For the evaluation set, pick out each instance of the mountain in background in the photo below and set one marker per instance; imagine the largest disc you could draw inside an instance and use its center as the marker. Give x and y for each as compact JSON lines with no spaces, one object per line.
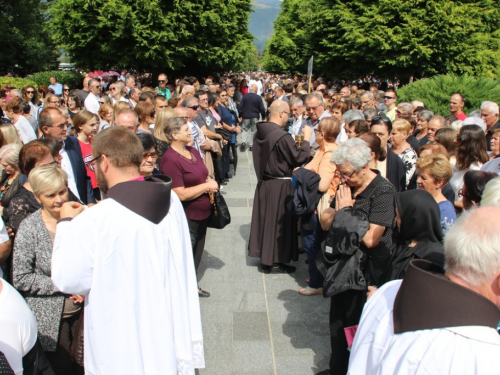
{"x":262,"y":20}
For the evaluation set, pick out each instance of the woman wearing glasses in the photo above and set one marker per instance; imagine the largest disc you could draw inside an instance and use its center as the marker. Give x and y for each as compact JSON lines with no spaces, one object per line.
{"x":364,"y":192}
{"x":31,"y":96}
{"x":86,"y":125}
{"x":65,"y":94}
{"x":149,"y":156}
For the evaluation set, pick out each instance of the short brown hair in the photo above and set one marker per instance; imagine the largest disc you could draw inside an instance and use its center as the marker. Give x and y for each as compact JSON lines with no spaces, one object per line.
{"x":120,"y":145}
{"x":173,"y":125}
{"x":330,"y":126}
{"x":438,"y":167}
{"x":31,"y":154}
{"x":143,"y":109}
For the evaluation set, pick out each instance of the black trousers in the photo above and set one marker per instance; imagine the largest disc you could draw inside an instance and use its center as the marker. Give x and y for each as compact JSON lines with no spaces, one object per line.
{"x":197,"y":232}
{"x":60,"y":360}
{"x":345,"y":311}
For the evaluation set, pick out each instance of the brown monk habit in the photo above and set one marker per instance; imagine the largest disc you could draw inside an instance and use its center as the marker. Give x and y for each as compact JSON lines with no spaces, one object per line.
{"x":273,"y":233}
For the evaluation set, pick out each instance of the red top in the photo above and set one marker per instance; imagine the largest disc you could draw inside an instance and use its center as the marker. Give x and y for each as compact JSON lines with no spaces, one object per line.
{"x":244,"y":90}
{"x":461,"y":116}
{"x":188,"y":173}
{"x":87,"y":156}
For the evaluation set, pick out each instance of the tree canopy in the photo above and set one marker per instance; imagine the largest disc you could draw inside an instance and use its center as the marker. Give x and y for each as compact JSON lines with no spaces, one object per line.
{"x":401,"y":38}
{"x":25,"y":44}
{"x":201,"y":36}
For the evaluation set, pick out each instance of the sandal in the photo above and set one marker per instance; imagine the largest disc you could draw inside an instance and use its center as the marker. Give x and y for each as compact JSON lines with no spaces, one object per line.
{"x":308,"y":291}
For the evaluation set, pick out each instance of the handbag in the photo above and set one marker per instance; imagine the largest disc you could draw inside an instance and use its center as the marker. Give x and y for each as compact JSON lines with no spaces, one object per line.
{"x":220,"y":216}
{"x":76,"y":347}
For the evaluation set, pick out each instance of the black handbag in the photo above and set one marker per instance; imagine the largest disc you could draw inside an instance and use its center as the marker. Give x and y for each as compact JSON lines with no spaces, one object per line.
{"x":226,"y":134}
{"x":220,"y":216}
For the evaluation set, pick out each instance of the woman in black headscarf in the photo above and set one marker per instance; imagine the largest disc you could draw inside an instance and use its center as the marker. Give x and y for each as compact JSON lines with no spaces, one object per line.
{"x":419,"y":222}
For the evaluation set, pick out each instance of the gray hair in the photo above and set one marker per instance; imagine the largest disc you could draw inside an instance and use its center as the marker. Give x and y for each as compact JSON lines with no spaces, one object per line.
{"x":490,"y":106}
{"x":475,"y":113}
{"x":173,"y":125}
{"x":406,"y":108}
{"x":10,"y":154}
{"x":366,"y":93}
{"x":471,"y":251}
{"x":315,"y":95}
{"x":187,"y":102}
{"x":426,"y":115}
{"x":186,"y":89}
{"x":17,"y":93}
{"x":296,"y":101}
{"x":352,"y":114}
{"x":491,"y":193}
{"x":369,"y":114}
{"x":354,"y":152}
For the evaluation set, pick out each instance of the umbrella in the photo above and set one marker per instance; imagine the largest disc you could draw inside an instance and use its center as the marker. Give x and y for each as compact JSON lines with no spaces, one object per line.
{"x":96,"y":73}
{"x":113,"y":73}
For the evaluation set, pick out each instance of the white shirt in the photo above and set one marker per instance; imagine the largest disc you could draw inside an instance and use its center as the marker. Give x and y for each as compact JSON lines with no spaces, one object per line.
{"x":18,"y":328}
{"x":92,"y":103}
{"x":342,"y":137}
{"x":376,"y":350}
{"x":457,"y":180}
{"x":315,"y":125}
{"x":142,"y":313}
{"x":295,"y":128}
{"x":25,"y":129}
{"x":68,"y":168}
{"x":258,"y":83}
{"x":198,"y":136}
{"x":492,"y":166}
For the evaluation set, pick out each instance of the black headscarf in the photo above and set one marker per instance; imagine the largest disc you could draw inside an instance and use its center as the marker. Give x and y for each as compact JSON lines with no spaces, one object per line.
{"x":420,"y":222}
{"x":420,"y":217}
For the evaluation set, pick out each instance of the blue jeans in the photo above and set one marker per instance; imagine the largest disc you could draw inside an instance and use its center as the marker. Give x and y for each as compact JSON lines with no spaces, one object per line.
{"x":311,"y":242}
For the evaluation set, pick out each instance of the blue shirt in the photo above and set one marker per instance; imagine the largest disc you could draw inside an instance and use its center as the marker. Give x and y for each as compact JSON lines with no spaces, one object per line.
{"x":448,"y":215}
{"x":227,"y":118}
{"x":57,"y":89}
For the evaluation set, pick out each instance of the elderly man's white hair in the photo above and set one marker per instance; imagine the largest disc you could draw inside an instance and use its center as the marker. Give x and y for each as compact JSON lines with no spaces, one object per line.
{"x":315,"y":95}
{"x":491,"y":193}
{"x":471,"y":245}
{"x":354,"y":152}
{"x":187,"y":89}
{"x":296,"y":101}
{"x":475,"y":121}
{"x":490,"y":106}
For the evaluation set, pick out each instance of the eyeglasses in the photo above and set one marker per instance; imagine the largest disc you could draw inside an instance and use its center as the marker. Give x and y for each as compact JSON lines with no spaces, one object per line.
{"x":161,"y":81}
{"x":152,"y":114}
{"x":30,"y":92}
{"x":389,"y":97}
{"x":146,"y":155}
{"x":112,"y":88}
{"x":65,"y":89}
{"x":345,"y":176}
{"x":103,"y":102}
{"x":61,"y":127}
{"x":312,"y":108}
{"x":194,"y":107}
{"x":460,"y":193}
{"x":318,"y":131}
{"x":97,"y":86}
{"x":223,"y":96}
{"x":91,"y":163}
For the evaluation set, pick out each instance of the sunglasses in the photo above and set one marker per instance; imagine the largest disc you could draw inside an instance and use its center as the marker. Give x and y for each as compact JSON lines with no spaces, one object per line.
{"x":161,"y":81}
{"x":146,"y":155}
{"x":66,"y":90}
{"x":30,"y":92}
{"x":152,"y":114}
{"x":194,"y":107}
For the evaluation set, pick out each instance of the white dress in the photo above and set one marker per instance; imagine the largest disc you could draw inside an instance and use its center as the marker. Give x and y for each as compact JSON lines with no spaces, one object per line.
{"x":142,"y":313}
{"x":457,"y":180}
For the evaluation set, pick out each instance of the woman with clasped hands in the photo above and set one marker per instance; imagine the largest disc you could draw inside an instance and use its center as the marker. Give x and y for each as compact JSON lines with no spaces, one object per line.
{"x":371,"y":195}
{"x":56,"y":313}
{"x":191,"y":183}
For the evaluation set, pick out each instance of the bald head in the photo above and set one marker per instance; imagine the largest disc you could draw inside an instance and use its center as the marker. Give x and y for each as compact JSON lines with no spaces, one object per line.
{"x":253,"y":88}
{"x":279,"y":112}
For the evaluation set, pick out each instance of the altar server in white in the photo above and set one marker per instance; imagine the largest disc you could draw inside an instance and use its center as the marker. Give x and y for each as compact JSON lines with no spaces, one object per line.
{"x":438,"y":323}
{"x":131,"y":257}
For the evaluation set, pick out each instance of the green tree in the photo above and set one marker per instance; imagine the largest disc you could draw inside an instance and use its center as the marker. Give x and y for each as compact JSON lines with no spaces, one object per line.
{"x":202,"y":36}
{"x":402,"y":37}
{"x":435,"y":92}
{"x":25,"y":44}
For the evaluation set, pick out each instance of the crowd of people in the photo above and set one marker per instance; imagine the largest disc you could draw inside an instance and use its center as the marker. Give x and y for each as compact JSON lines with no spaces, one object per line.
{"x":370,"y":189}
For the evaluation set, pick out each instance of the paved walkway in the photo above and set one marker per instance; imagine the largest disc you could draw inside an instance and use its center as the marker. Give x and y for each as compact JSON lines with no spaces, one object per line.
{"x":255,"y":323}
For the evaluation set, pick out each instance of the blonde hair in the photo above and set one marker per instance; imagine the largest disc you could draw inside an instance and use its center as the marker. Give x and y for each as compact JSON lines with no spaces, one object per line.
{"x":10,"y":154}
{"x":438,"y":167}
{"x":401,"y":125}
{"x":161,"y":124}
{"x":47,"y":179}
{"x":10,"y":135}
{"x":118,"y":107}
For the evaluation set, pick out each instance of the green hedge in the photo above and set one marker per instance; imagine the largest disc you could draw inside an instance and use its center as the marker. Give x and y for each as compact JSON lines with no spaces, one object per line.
{"x":18,"y":83}
{"x":436,"y":92}
{"x":73,"y":79}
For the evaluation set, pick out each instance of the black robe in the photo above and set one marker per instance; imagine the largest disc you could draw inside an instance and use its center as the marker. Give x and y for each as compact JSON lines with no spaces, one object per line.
{"x":273,"y":233}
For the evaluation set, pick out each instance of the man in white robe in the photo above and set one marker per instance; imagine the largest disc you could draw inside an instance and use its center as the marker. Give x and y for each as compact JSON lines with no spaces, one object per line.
{"x":438,"y":323}
{"x":131,"y":257}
